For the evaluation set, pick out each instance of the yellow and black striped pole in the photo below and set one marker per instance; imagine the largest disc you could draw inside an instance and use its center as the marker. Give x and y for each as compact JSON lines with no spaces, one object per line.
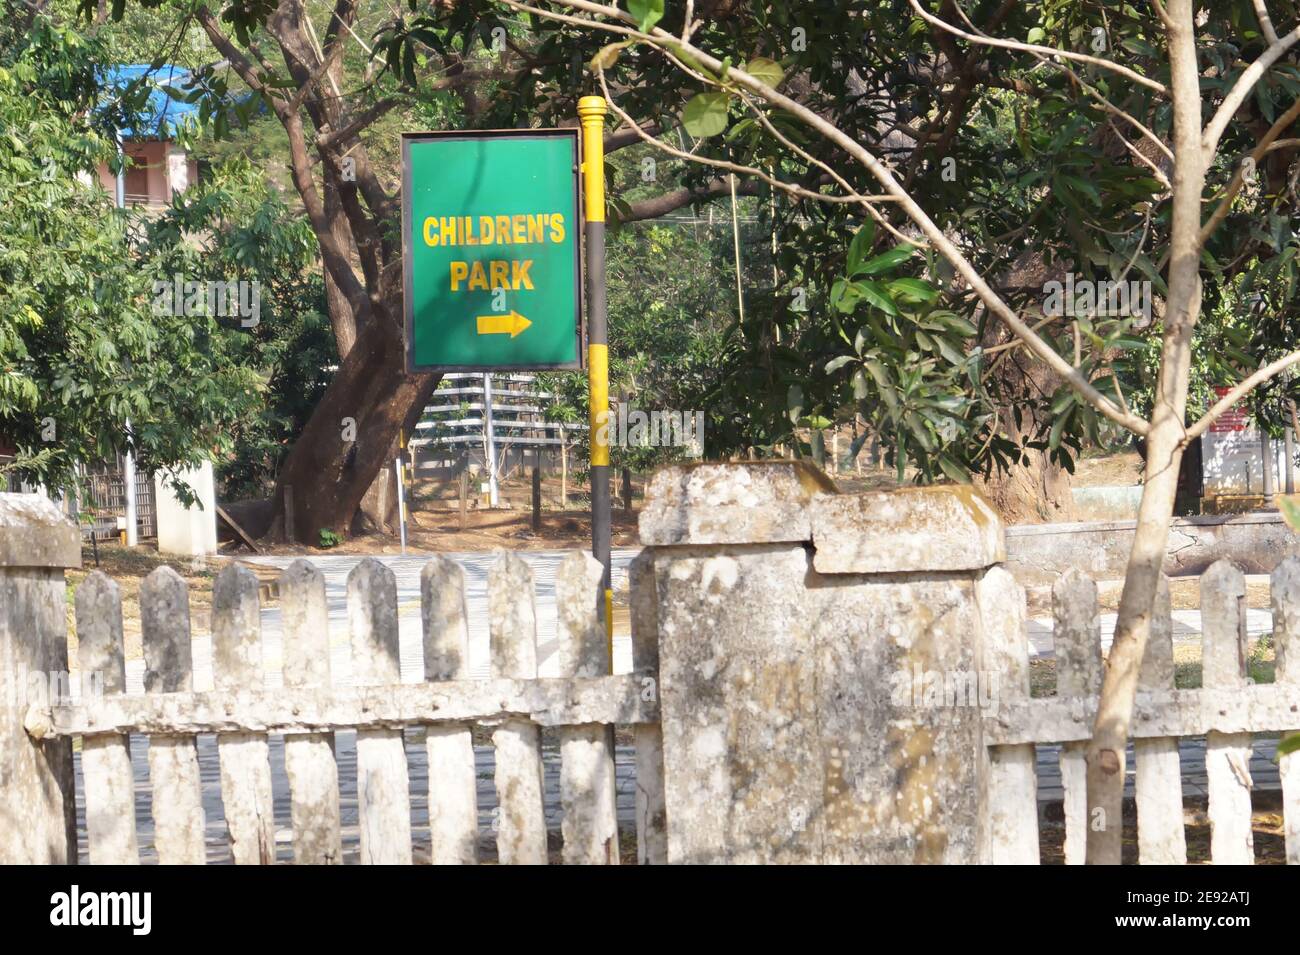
{"x":591,"y":110}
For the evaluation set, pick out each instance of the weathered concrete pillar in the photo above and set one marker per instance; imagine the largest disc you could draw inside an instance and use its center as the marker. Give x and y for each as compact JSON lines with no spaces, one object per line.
{"x":37,"y":807}
{"x":820,"y":665}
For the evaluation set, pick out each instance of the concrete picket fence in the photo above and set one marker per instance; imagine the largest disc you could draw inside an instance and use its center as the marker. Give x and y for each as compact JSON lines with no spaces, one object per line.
{"x":36,"y":823}
{"x":774,"y":621}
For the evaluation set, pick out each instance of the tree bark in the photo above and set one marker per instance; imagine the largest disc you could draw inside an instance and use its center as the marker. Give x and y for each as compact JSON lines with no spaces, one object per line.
{"x":331,"y":476}
{"x":378,"y":512}
{"x":1106,"y":750}
{"x":1035,"y":490}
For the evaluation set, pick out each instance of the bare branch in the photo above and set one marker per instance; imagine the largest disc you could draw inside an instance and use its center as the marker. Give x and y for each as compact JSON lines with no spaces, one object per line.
{"x":1137,"y":154}
{"x":367,"y":116}
{"x":1239,"y":391}
{"x":791,"y":188}
{"x":1241,"y":89}
{"x":1044,"y":51}
{"x":1265,"y":22}
{"x":241,"y":64}
{"x":667,"y":202}
{"x":1238,"y":177}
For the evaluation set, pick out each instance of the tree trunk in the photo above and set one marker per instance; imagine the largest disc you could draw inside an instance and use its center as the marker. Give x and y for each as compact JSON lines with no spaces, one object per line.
{"x":378,"y":512}
{"x":330,"y":476}
{"x":1035,"y":490}
{"x":1106,"y":751}
{"x":1105,"y":754}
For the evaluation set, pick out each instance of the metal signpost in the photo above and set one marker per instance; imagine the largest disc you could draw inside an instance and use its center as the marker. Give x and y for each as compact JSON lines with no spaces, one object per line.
{"x":591,"y":110}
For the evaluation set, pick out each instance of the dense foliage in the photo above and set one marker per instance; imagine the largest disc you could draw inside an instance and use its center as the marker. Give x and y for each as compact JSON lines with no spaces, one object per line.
{"x":81,"y":351}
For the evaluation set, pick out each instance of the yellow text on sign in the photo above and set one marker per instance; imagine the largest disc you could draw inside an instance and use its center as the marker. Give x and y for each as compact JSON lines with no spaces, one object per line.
{"x":495,"y":274}
{"x":494,"y":230}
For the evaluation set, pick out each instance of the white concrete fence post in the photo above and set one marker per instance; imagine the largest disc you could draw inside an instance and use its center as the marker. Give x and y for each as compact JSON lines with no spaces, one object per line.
{"x":822,"y":670}
{"x":37,"y":814}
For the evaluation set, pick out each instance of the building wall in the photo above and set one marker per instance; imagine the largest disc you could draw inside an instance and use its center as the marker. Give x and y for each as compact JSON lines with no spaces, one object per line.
{"x":159,"y":169}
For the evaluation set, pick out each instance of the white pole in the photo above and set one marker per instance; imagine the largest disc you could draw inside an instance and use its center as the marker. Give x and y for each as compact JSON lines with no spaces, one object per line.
{"x":735,"y":238}
{"x":128,"y":460}
{"x":401,"y":501}
{"x":491,"y":441}
{"x":1288,"y":461}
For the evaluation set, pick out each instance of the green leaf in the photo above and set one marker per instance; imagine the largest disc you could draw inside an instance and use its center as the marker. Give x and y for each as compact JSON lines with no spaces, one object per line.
{"x":861,"y":245}
{"x":706,"y":114}
{"x":917,"y":426}
{"x":1289,"y":744}
{"x":953,"y":469}
{"x":1036,"y":35}
{"x":1058,"y":426}
{"x":875,"y":293}
{"x":913,"y":289}
{"x":1064,"y":398}
{"x":845,"y":295}
{"x":835,"y":364}
{"x":646,"y":12}
{"x":765,"y":71}
{"x":794,"y":403}
{"x":950,"y":353}
{"x":886,"y":260}
{"x":877,"y":372}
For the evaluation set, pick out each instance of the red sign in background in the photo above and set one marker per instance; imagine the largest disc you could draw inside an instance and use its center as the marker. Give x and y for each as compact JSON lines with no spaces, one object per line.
{"x":1234,"y":419}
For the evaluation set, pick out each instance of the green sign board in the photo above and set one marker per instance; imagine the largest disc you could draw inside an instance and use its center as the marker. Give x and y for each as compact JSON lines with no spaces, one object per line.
{"x":491,"y":241}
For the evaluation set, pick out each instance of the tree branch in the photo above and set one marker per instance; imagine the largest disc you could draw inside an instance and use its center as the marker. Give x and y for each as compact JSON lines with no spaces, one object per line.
{"x":1239,"y":391}
{"x":1241,"y":89}
{"x":666,"y":41}
{"x":1043,"y":51}
{"x":661,"y":205}
{"x":1238,"y":177}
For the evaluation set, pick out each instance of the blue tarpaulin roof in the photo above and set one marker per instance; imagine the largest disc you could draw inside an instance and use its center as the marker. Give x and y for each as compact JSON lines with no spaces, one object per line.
{"x":162,"y":114}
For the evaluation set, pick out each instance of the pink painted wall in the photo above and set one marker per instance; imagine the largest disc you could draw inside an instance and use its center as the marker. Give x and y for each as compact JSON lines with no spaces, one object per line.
{"x":158,"y":169}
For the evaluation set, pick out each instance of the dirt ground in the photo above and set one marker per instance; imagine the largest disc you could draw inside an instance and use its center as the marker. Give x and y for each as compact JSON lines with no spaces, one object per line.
{"x":434,"y":522}
{"x":1108,"y":469}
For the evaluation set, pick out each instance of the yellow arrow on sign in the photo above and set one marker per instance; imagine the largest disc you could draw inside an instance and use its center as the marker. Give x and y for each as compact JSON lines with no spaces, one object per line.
{"x":512,"y":323}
